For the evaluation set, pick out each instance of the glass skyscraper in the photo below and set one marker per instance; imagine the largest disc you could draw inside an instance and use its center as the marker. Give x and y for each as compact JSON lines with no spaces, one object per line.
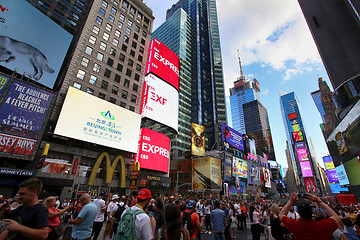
{"x":191,"y":31}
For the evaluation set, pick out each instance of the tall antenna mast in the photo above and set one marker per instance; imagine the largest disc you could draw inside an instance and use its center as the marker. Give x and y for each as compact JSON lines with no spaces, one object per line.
{"x":241,"y":70}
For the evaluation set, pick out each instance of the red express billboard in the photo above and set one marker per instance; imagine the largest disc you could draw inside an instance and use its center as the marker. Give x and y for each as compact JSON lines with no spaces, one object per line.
{"x":164,"y":63}
{"x":153,"y":151}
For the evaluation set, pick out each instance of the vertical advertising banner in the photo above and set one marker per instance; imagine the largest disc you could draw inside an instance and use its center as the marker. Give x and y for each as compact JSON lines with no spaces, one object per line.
{"x":302,"y":154}
{"x":232,"y":138}
{"x":228,"y":168}
{"x":253,"y":174}
{"x":197,"y":140}
{"x":252,"y":153}
{"x":267,"y":179}
{"x":240,"y":167}
{"x":22,"y":115}
{"x":306,"y":169}
{"x":206,"y":174}
{"x":310,"y":185}
{"x":330,"y":170}
{"x":342,"y":176}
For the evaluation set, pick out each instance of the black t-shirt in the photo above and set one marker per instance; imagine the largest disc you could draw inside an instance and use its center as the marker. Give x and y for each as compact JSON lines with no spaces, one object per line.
{"x":36,"y":217}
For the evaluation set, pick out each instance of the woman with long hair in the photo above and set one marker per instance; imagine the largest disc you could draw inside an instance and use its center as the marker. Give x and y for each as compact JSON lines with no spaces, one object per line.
{"x":54,"y":213}
{"x":254,"y":216}
{"x":173,"y":229}
{"x":233,"y":221}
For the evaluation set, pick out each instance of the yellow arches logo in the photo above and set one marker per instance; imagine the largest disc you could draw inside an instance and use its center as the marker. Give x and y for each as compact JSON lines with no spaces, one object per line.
{"x":110,"y":169}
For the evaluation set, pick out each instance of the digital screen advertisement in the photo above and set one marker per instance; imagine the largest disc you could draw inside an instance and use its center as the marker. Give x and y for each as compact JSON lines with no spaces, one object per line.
{"x":332,"y":175}
{"x":33,"y":44}
{"x":254,"y":174}
{"x":298,"y":136}
{"x":352,"y":168}
{"x":302,"y":154}
{"x":328,"y":162}
{"x":197,"y":139}
{"x":273,"y":164}
{"x":232,"y":138}
{"x":240,"y":167}
{"x":267,"y":177}
{"x":153,"y":151}
{"x":296,"y":128}
{"x":94,"y":120}
{"x":310,"y":185}
{"x":4,"y":80}
{"x":206,"y":173}
{"x":300,"y":145}
{"x":252,"y":153}
{"x":292,"y":116}
{"x":164,"y":63}
{"x":342,"y":176}
{"x":160,"y":102}
{"x":306,"y":169}
{"x":227,"y":168}
{"x":336,"y":188}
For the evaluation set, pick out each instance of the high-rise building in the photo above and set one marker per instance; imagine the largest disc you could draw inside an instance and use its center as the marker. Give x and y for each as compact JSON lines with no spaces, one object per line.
{"x":191,"y":31}
{"x":300,"y":152}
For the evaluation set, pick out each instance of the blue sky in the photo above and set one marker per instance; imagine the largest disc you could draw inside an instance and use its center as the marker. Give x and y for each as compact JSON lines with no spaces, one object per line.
{"x":276,"y":48}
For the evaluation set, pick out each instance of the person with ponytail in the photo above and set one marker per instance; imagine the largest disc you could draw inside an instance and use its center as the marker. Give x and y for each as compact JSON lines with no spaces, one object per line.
{"x":254,"y":215}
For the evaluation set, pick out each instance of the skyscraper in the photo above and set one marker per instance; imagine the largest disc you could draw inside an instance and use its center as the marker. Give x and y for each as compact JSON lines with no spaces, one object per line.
{"x":191,"y":31}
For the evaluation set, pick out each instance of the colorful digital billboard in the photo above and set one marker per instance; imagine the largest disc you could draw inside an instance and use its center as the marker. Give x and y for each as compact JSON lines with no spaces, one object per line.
{"x":300,"y":145}
{"x":232,"y":138}
{"x":91,"y":119}
{"x":4,"y":80}
{"x":298,"y":136}
{"x":273,"y":164}
{"x":254,"y":174}
{"x":228,"y":168}
{"x":240,"y":167}
{"x":252,"y":153}
{"x":153,"y":151}
{"x":267,"y":180}
{"x":31,"y":43}
{"x":296,"y":127}
{"x":160,"y":102}
{"x":206,"y":174}
{"x":336,"y":188}
{"x":164,"y":63}
{"x":332,"y":175}
{"x":352,"y":168}
{"x":342,"y":176}
{"x":197,"y":139}
{"x":328,"y":162}
{"x":302,"y":154}
{"x":292,"y":116}
{"x":23,"y":112}
{"x":310,"y":184}
{"x":306,"y":169}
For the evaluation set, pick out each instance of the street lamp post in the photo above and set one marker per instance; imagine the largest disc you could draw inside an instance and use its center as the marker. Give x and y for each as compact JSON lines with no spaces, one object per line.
{"x":177,"y":182}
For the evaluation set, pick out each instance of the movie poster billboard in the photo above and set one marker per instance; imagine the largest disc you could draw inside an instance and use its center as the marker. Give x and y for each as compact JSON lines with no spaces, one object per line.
{"x":240,"y":167}
{"x":302,"y":154}
{"x":267,"y":179}
{"x":23,"y":112}
{"x":310,"y":185}
{"x":228,"y":168}
{"x":33,"y":44}
{"x":206,"y":174}
{"x":232,"y":138}
{"x":197,"y":139}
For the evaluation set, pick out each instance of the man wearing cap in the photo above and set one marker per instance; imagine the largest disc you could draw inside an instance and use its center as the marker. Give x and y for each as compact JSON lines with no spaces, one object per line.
{"x":195,"y":219}
{"x":306,"y":227}
{"x":99,"y":219}
{"x":110,"y":220}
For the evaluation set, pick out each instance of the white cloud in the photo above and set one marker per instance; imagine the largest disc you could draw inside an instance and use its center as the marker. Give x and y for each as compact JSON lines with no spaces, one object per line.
{"x":265,"y":91}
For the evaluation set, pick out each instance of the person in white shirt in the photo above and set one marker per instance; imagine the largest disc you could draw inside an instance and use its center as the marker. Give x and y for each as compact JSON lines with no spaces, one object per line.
{"x":238,"y":214}
{"x":99,"y":219}
{"x":110,"y":220}
{"x":292,"y":214}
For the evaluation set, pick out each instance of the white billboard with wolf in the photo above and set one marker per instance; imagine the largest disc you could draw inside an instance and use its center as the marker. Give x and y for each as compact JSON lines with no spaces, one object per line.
{"x":30,"y":42}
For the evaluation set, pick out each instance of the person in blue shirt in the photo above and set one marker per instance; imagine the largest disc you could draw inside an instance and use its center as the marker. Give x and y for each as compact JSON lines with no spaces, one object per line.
{"x":218,"y":217}
{"x":83,"y":224}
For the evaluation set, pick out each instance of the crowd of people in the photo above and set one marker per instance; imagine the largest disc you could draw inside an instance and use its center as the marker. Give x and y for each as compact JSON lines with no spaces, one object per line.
{"x":140,"y":216}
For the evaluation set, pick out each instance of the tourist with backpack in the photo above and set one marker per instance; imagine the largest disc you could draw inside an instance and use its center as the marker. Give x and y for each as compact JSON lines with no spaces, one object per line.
{"x":191,"y":221}
{"x":134,"y":222}
{"x":118,"y":211}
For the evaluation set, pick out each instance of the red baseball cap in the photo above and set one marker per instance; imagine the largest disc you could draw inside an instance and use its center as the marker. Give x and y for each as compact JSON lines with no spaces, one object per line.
{"x":144,"y":194}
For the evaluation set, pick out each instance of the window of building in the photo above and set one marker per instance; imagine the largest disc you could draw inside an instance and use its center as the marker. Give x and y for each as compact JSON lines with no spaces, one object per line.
{"x":138,"y":67}
{"x":119,"y":24}
{"x":122,"y":57}
{"x":139,"y":15}
{"x":122,"y":104}
{"x":141,"y":49}
{"x":130,"y":23}
{"x":100,"y":56}
{"x":130,"y":62}
{"x":137,"y":77}
{"x":102,"y":96}
{"x":144,"y":34}
{"x":90,"y":91}
{"x":115,"y":42}
{"x":126,"y":39}
{"x":102,"y":12}
{"x":99,"y":20}
{"x":133,"y":44}
{"x":103,"y":46}
{"x":112,"y":100}
{"x":136,"y":36}
{"x":126,"y":83}
{"x":92,"y":39}
{"x":126,"y":4}
{"x":77,"y":85}
{"x":133,"y":98}
{"x":137,"y":28}
{"x":124,"y":9}
{"x":143,"y":41}
{"x":124,"y":47}
{"x":113,"y":10}
{"x":128,"y":31}
{"x":128,"y":72}
{"x":116,"y":3}
{"x":93,"y":79}
{"x":107,"y":73}
{"x":135,"y":87}
{"x":105,"y":4}
{"x":131,"y":15}
{"x":106,"y":36}
{"x":108,"y":27}
{"x":96,"y":67}
{"x":132,"y":53}
{"x":112,"y":52}
{"x":124,"y":94}
{"x":80,"y":74}
{"x":131,"y":108}
{"x":119,"y":67}
{"x":96,"y":30}
{"x":140,"y":58}
{"x":117,"y":78}
{"x":110,"y":62}
{"x":88,"y":50}
{"x":104,"y":84}
{"x":115,"y":89}
{"x":85,"y":62}
{"x":122,"y":17}
{"x":132,"y":9}
{"x":117,"y":33}
{"x":111,"y":18}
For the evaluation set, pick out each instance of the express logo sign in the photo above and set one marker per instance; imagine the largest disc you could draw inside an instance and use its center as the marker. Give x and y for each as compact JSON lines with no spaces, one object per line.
{"x":164,"y":63}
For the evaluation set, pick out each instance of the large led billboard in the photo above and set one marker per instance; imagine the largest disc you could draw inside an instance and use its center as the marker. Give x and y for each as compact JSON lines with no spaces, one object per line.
{"x":31,"y":43}
{"x":302,"y":154}
{"x":228,"y":168}
{"x":273,"y":164}
{"x":94,"y":120}
{"x":298,"y":136}
{"x":197,"y":139}
{"x":336,"y":188}
{"x":153,"y":151}
{"x":306,"y":169}
{"x":292,"y":116}
{"x":164,"y":63}
{"x":206,"y":173}
{"x":267,"y":177}
{"x":232,"y":138}
{"x":332,"y":175}
{"x":328,"y":162}
{"x":240,"y":167}
{"x":254,"y":174}
{"x":342,"y":176}
{"x":160,"y":102}
{"x":252,"y":153}
{"x":352,"y":168}
{"x":300,"y":145}
{"x":310,"y":184}
{"x":4,"y":80}
{"x":23,"y":112}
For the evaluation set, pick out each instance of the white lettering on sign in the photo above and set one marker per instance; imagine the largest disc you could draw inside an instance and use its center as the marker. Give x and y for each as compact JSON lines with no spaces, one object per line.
{"x":166,"y":62}
{"x":147,"y":147}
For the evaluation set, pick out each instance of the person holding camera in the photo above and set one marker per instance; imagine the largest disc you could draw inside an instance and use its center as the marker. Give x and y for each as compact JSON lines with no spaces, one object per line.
{"x":306,"y":227}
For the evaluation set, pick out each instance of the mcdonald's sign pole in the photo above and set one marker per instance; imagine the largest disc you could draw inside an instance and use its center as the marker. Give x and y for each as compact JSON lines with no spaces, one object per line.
{"x":135,"y":169}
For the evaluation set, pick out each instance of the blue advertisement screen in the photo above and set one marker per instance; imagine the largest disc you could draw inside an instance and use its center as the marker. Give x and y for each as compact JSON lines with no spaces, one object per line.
{"x":232,"y":138}
{"x":342,"y":176}
{"x":336,"y":188}
{"x":227,"y":168}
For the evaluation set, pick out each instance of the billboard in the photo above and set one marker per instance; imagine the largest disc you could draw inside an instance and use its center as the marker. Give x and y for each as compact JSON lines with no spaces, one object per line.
{"x":300,"y":145}
{"x":23,"y":112}
{"x":332,"y":175}
{"x":232,"y":138}
{"x":352,"y":168}
{"x":267,"y":180}
{"x":252,"y":153}
{"x":273,"y":164}
{"x":302,"y":154}
{"x":298,"y":136}
{"x":160,"y":102}
{"x":33,"y":44}
{"x":292,"y":116}
{"x":206,"y":174}
{"x":240,"y":167}
{"x":336,"y":188}
{"x":4,"y":80}
{"x":328,"y":162}
{"x":254,"y":174}
{"x":296,"y":127}
{"x":228,"y":168}
{"x":310,"y":184}
{"x":94,"y":120}
{"x":197,"y":139}
{"x":164,"y":63}
{"x":306,"y":169}
{"x":342,"y":176}
{"x":153,"y":151}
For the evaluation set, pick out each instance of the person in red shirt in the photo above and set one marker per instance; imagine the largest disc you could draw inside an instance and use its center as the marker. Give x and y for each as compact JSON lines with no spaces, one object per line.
{"x":195,"y":220}
{"x":306,"y":228}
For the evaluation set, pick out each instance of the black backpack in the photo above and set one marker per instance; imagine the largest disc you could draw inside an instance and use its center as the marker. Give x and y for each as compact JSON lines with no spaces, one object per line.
{"x":186,"y":218}
{"x":119,"y":212}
